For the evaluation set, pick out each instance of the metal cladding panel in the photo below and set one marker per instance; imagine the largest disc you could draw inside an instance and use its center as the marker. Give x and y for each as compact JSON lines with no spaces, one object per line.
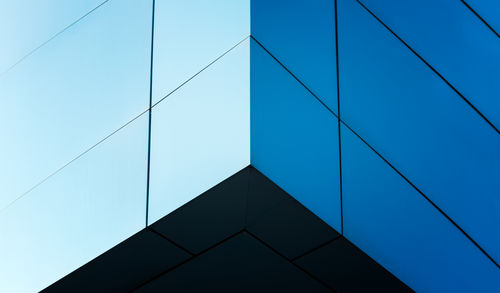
{"x":407,"y":113}
{"x":389,"y":220}
{"x":294,"y":138}
{"x":301,"y":34}
{"x":454,"y":41}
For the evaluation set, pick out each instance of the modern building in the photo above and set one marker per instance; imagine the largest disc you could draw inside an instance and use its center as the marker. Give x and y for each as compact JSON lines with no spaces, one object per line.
{"x":250,"y":146}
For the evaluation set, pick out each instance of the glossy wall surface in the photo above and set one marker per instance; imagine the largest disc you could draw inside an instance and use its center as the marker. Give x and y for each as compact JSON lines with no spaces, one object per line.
{"x":116,"y":113}
{"x":417,"y":158}
{"x":103,"y":127}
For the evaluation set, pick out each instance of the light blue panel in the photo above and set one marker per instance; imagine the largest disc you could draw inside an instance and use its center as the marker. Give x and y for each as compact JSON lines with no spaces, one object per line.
{"x":88,"y":207}
{"x":201,"y":133}
{"x":410,"y":116}
{"x":301,"y":34}
{"x":190,"y":34}
{"x":26,"y":24}
{"x":454,"y":41}
{"x":394,"y":224}
{"x":489,"y":10}
{"x":76,"y":90}
{"x":294,"y":138}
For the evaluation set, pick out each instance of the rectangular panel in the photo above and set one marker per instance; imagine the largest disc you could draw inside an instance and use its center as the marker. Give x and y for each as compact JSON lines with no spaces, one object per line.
{"x":394,"y":224}
{"x":420,"y":125}
{"x":294,"y":138}
{"x":454,"y":41}
{"x":190,"y":34}
{"x":200,"y":133}
{"x":72,"y":92}
{"x":88,"y":207}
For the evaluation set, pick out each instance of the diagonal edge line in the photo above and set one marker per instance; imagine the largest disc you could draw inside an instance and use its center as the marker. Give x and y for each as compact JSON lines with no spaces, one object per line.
{"x":378,"y":263}
{"x":203,"y":69}
{"x":342,"y":237}
{"x":397,"y":171}
{"x":193,"y":256}
{"x":115,"y":131}
{"x":148,"y":171}
{"x":338,"y":117}
{"x":423,"y":195}
{"x":71,"y":161}
{"x":294,"y":76}
{"x":151,"y":229}
{"x":316,"y":247}
{"x":431,"y":67}
{"x":480,"y":18}
{"x":51,"y":38}
{"x":324,"y":284}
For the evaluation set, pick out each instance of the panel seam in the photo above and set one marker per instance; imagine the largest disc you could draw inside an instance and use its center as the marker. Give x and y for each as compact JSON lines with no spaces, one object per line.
{"x":385,"y":160}
{"x":481,"y":18}
{"x":432,"y":69}
{"x":51,"y":38}
{"x":338,"y":119}
{"x":150,"y":110}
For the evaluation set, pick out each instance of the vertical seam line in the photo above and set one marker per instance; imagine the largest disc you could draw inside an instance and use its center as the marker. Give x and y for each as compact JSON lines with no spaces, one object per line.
{"x":149,"y":110}
{"x":338,"y":119}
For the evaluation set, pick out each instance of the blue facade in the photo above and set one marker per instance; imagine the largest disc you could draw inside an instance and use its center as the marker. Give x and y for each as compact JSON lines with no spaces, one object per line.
{"x":382,"y":117}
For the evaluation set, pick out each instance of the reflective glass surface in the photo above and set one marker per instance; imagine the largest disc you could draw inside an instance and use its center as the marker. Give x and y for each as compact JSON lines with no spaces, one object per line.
{"x":409,"y":115}
{"x":189,"y":35}
{"x":454,"y":41}
{"x":390,"y":221}
{"x":294,"y":138}
{"x":301,"y":34}
{"x":200,"y":133}
{"x":27,"y":24}
{"x":72,"y":92}
{"x":88,"y":207}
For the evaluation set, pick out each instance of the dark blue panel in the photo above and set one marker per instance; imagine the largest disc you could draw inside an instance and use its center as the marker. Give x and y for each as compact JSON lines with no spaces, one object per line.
{"x":454,"y":41}
{"x":488,"y":10}
{"x":302,"y":36}
{"x":420,"y":125}
{"x":390,"y":221}
{"x":294,"y":138}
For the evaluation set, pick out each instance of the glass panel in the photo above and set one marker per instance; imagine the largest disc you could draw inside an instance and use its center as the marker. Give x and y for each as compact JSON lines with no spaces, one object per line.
{"x":301,"y":34}
{"x":88,"y":207}
{"x":454,"y":41}
{"x":200,"y":133}
{"x":409,"y":115}
{"x":189,"y":35}
{"x":390,"y":221}
{"x":74,"y":91}
{"x":26,"y":24}
{"x":294,"y":138}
